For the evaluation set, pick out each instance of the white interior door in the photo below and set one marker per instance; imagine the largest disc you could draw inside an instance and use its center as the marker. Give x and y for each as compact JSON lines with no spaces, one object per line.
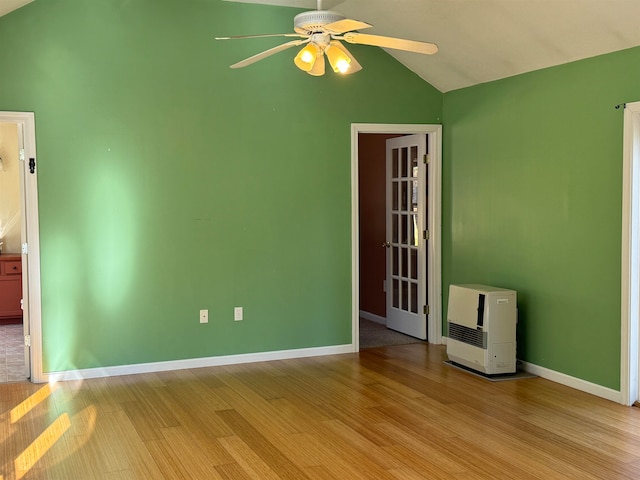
{"x":407,"y":235}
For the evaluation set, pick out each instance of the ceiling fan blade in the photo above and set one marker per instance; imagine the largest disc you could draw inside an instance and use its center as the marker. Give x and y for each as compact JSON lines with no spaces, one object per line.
{"x":267,"y":53}
{"x":318,"y":67}
{"x":354,"y":66}
{"x":235,"y":37}
{"x":391,"y":42}
{"x":345,"y":25}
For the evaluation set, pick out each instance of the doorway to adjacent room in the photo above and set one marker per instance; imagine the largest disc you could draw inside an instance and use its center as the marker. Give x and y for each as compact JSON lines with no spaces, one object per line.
{"x":20,"y":324}
{"x":419,"y":186}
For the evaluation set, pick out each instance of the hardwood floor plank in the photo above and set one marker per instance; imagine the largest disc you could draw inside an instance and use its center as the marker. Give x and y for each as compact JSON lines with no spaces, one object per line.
{"x":146,"y":424}
{"x":422,"y":454}
{"x":406,"y":473}
{"x":108,"y":393}
{"x":260,"y":377}
{"x":150,"y":398}
{"x":318,"y":472}
{"x":165,"y":459}
{"x":248,"y":460}
{"x":196,"y":405}
{"x":260,"y":411}
{"x":191,"y":392}
{"x":387,"y":413}
{"x":301,"y":448}
{"x":75,"y":462}
{"x":138,"y":457}
{"x":191,"y":458}
{"x":105,"y":431}
{"x":323,"y":452}
{"x":364,"y":446}
{"x":495,"y":435}
{"x":232,"y":471}
{"x":261,"y":445}
{"x":496,"y":465}
{"x":121,"y":475}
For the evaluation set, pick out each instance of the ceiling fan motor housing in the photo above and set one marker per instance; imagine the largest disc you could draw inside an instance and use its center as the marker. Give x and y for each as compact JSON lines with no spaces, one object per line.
{"x":306,"y":23}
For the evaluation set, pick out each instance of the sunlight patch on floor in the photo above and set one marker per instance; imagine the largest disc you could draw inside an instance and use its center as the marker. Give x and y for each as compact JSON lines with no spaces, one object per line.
{"x":34,"y":452}
{"x":27,"y":405}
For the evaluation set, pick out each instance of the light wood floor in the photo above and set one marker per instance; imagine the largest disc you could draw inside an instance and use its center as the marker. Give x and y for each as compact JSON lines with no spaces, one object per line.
{"x":388,"y":413}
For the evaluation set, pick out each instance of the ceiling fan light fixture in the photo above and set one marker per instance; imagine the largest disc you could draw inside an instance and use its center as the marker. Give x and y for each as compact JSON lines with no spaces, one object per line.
{"x":341,"y":55}
{"x":339,"y":61}
{"x":318,"y":67}
{"x":306,"y":57}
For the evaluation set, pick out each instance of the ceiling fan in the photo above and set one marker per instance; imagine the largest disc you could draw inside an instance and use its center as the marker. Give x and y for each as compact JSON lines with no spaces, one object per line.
{"x":320,"y":31}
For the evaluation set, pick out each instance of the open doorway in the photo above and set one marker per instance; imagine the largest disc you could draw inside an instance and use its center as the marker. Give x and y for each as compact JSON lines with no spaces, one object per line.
{"x":370,"y":253}
{"x":20,"y":334}
{"x":13,"y":358}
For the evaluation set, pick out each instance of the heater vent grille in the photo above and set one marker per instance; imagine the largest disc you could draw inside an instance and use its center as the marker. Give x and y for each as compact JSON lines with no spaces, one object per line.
{"x":467,"y":335}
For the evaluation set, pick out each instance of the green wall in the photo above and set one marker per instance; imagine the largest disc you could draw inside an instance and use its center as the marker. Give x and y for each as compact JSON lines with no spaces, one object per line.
{"x":532,"y":201}
{"x":169,"y":183}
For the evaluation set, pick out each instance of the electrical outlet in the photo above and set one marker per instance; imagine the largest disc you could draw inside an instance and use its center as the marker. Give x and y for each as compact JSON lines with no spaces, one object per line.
{"x":237,"y":314}
{"x":204,"y":316}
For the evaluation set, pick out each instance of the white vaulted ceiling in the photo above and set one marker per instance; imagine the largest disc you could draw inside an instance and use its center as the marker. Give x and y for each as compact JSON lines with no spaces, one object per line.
{"x":7,"y":6}
{"x":484,"y":40}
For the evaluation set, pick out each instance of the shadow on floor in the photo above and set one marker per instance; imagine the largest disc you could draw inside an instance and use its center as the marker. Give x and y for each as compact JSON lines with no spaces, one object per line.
{"x":374,"y":334}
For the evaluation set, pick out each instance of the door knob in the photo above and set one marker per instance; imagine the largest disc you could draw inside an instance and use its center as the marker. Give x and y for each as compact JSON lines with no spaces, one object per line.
{"x":386,"y":244}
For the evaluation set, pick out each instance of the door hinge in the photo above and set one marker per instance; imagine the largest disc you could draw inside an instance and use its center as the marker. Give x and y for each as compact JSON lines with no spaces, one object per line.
{"x":25,"y":248}
{"x":425,"y":158}
{"x":425,"y":234}
{"x":425,"y":309}
{"x":32,"y":165}
{"x":21,"y":154}
{"x":27,"y":340}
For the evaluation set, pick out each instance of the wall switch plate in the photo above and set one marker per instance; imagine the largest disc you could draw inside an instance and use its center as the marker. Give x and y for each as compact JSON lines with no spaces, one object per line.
{"x":237,"y":314}
{"x":204,"y":316}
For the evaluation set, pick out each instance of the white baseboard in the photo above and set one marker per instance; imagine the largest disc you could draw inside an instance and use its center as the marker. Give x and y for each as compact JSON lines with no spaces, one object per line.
{"x":568,"y":381}
{"x":561,"y":378}
{"x":573,"y":382}
{"x":195,"y":363}
{"x":373,"y":317}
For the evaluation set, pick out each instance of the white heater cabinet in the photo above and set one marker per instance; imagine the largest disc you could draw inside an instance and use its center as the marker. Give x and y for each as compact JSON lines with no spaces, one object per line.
{"x":482,"y":328}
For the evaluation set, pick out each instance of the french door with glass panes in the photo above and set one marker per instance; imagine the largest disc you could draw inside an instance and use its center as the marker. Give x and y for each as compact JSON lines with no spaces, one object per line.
{"x":407,"y":235}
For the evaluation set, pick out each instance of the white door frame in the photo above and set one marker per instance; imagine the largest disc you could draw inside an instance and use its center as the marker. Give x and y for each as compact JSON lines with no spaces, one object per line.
{"x":434,"y":273}
{"x":630,"y":285}
{"x":30,"y":235}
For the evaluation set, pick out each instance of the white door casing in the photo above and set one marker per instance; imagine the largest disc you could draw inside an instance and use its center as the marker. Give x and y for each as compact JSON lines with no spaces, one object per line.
{"x":406,"y":235}
{"x":434,"y":275}
{"x":630,"y":284}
